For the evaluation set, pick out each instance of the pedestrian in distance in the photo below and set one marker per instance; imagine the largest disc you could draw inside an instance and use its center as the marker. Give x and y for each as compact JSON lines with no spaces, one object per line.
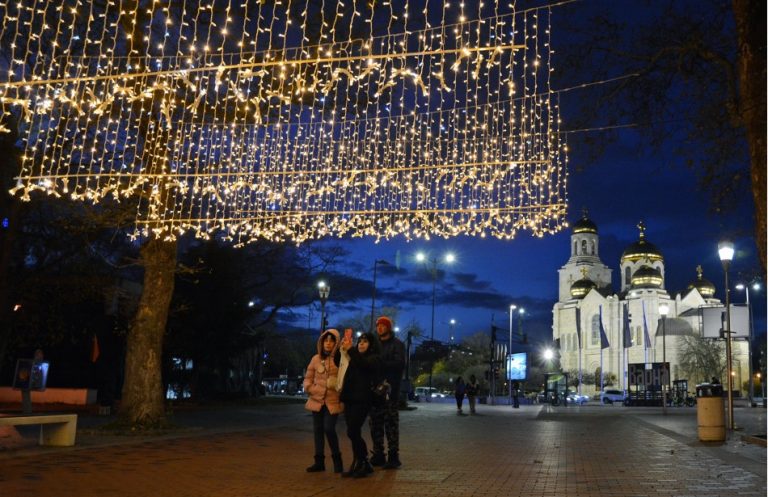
{"x":472,"y":389}
{"x":459,"y":391}
{"x":363,"y":374}
{"x":321,"y":385}
{"x":385,"y":418}
{"x":515,"y":394}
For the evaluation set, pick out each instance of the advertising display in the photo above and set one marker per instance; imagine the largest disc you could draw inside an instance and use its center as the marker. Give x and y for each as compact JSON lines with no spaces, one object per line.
{"x":517,"y":366}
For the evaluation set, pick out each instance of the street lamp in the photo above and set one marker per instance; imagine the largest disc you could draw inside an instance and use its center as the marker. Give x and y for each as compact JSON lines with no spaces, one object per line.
{"x":664,"y":310}
{"x":324,"y":291}
{"x":373,"y":295}
{"x":421,"y":257}
{"x":755,"y":286}
{"x":512,"y":308}
{"x":725,"y":251}
{"x":452,"y":322}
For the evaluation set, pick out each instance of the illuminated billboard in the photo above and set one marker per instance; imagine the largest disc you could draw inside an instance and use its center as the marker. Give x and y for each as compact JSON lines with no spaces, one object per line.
{"x":517,"y":366}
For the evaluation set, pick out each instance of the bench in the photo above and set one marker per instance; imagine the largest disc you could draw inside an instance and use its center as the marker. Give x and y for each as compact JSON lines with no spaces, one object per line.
{"x":55,"y":429}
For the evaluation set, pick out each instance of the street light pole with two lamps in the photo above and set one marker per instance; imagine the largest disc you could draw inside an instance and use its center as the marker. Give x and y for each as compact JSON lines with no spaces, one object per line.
{"x":725,"y":251}
{"x":421,"y":257}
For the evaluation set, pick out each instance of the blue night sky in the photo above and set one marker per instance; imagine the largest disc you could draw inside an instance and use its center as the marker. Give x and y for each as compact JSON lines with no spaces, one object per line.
{"x":627,"y":183}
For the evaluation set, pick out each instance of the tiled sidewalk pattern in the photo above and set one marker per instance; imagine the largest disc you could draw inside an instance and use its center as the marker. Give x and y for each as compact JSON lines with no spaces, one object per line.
{"x":535,"y":451}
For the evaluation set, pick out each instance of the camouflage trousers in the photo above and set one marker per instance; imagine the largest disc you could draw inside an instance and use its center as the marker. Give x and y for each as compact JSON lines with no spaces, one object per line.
{"x":385,"y":419}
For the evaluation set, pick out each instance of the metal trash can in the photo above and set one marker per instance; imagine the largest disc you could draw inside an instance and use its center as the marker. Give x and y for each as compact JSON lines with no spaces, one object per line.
{"x":710,"y":412}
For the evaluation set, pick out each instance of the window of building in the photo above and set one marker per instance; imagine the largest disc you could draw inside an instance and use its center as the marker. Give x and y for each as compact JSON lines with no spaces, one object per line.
{"x":592,"y":243}
{"x":627,"y":276}
{"x":583,"y":247}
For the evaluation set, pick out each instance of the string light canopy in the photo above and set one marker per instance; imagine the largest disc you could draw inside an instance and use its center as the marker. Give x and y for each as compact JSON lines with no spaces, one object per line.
{"x":290,"y":120}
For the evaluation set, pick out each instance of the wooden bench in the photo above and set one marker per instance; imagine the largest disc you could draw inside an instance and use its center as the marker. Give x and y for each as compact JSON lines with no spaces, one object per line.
{"x":55,"y":429}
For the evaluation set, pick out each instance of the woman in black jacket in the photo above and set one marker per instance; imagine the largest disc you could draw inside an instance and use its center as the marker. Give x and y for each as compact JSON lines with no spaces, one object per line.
{"x":363,"y":373}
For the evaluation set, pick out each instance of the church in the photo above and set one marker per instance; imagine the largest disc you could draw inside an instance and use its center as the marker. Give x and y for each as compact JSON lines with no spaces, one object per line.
{"x":634,"y":332}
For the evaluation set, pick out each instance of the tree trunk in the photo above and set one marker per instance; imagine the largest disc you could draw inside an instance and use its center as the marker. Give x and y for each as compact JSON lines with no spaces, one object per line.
{"x":142,"y":403}
{"x":750,"y":18}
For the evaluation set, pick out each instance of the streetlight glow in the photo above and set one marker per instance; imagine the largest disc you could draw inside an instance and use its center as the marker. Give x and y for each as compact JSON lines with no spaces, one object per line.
{"x":725,"y":250}
{"x":549,"y":354}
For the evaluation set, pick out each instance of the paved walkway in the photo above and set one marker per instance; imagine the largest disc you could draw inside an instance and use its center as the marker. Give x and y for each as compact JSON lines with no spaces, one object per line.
{"x":532,"y":451}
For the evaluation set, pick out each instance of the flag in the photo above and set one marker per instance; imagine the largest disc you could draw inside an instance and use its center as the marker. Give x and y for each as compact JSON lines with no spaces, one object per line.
{"x":578,"y":325}
{"x":645,"y":330}
{"x":95,"y":351}
{"x":627,"y":329}
{"x":603,"y":337}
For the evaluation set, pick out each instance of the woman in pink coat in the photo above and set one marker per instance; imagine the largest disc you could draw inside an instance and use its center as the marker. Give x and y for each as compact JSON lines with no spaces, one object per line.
{"x":320,"y":383}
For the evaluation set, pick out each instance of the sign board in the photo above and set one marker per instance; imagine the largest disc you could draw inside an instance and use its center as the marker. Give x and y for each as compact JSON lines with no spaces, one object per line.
{"x":517,"y":366}
{"x":713,"y":321}
{"x":30,"y":375}
{"x":644,"y":378}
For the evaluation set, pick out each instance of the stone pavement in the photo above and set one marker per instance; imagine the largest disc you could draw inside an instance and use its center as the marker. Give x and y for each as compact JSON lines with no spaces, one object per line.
{"x":533,"y":451}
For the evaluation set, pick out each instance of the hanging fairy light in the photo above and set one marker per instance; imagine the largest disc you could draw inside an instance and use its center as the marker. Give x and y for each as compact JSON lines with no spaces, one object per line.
{"x":279,"y":121}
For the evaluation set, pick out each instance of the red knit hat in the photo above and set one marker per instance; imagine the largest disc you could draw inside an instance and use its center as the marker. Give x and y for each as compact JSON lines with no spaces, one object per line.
{"x":386,"y":321}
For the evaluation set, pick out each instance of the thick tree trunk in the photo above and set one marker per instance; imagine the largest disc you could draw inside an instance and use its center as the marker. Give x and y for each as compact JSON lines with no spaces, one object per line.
{"x":750,"y":18}
{"x":142,"y":402}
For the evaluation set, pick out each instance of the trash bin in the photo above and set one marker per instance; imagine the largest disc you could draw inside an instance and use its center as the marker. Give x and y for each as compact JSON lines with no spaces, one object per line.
{"x":710,"y":412}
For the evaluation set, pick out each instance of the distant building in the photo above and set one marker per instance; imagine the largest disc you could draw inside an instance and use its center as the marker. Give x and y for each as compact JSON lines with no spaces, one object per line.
{"x":586,"y":293}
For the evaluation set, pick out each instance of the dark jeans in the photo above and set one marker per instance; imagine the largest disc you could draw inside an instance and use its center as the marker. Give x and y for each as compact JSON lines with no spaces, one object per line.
{"x":459,"y":401}
{"x":355,"y":415}
{"x":324,"y":426}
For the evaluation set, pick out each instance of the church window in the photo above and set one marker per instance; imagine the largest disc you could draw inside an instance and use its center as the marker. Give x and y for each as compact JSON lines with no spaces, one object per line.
{"x":583,"y":247}
{"x":627,"y":276}
{"x":592,"y":243}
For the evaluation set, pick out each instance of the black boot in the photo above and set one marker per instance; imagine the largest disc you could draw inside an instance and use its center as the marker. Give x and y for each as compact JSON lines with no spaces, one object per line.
{"x":363,"y":469}
{"x":377,"y":458}
{"x":338,"y":466}
{"x":318,"y":466}
{"x":393,"y":461}
{"x":352,"y":469}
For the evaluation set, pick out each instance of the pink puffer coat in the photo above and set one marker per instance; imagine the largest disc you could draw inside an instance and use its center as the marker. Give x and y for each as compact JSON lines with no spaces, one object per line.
{"x":316,"y":378}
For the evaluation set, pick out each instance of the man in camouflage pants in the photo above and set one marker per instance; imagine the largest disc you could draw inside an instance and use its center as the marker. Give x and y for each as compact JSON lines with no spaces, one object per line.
{"x":385,"y":418}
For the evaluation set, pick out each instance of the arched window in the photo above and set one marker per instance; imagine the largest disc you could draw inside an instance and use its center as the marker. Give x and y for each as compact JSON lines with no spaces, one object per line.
{"x":592,"y":243}
{"x":583,"y":247}
{"x":627,"y":276}
{"x":575,"y":248}
{"x":594,"y":336}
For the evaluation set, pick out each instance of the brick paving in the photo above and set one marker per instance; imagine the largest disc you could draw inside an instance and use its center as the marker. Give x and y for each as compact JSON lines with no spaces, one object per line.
{"x":535,"y":451}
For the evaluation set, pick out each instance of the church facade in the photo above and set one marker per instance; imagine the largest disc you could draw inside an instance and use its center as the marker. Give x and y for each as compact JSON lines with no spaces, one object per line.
{"x":631,"y":320}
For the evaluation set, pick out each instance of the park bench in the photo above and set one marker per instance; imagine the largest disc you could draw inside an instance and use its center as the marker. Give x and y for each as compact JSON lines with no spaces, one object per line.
{"x":55,"y":429}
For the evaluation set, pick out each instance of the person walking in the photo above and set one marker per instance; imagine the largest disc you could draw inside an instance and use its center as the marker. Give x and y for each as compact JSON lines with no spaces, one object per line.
{"x":385,"y":418}
{"x":472,"y":389}
{"x":363,"y":373}
{"x":516,"y":394}
{"x":320,"y":383}
{"x":459,"y":391}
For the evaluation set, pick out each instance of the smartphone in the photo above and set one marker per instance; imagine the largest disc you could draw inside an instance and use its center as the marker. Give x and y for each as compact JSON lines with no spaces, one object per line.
{"x":348,"y":334}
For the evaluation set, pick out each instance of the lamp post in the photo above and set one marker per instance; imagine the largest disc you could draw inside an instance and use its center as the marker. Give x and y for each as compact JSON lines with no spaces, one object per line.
{"x":664,"y":310}
{"x":421,"y":257}
{"x":373,"y":295}
{"x":512,"y":308}
{"x":755,"y":286}
{"x":324,"y":291}
{"x":725,"y":251}
{"x":452,"y":322}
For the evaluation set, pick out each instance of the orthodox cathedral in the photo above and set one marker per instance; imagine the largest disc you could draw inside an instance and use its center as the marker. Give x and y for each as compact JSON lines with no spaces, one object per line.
{"x":633,"y":330}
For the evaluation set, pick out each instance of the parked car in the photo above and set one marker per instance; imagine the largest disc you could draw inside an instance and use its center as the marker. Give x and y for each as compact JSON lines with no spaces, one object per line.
{"x":422,"y":392}
{"x":575,"y":398}
{"x":611,"y":396}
